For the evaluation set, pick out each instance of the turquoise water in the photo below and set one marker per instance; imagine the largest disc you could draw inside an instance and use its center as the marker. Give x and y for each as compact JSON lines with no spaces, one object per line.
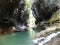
{"x":19,"y":38}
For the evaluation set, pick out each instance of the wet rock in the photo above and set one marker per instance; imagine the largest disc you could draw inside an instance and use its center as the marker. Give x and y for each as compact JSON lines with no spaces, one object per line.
{"x":54,"y":41}
{"x":40,"y":27}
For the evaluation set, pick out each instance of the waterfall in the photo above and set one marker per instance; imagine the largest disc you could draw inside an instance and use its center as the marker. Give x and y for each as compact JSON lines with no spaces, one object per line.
{"x":31,"y":19}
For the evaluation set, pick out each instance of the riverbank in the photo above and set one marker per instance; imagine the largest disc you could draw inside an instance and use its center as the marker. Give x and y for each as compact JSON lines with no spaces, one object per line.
{"x":48,"y":36}
{"x":17,"y":28}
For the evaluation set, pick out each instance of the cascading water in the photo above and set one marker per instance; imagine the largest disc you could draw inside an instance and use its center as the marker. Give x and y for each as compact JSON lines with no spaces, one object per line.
{"x":31,"y":19}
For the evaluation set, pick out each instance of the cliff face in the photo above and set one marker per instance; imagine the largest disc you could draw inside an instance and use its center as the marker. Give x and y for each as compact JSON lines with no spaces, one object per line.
{"x":44,"y":9}
{"x":12,"y":11}
{"x":51,"y":14}
{"x":7,"y":7}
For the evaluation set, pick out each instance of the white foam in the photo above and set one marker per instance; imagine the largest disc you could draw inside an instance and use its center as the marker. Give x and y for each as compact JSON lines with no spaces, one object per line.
{"x":46,"y":39}
{"x":22,"y":27}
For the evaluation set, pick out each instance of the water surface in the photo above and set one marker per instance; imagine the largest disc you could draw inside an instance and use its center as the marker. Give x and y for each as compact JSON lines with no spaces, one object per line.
{"x":19,"y":38}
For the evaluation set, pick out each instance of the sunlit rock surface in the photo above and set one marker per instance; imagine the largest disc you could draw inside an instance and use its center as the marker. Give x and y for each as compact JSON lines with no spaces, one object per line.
{"x":45,"y":40}
{"x":54,"y":41}
{"x":50,"y":36}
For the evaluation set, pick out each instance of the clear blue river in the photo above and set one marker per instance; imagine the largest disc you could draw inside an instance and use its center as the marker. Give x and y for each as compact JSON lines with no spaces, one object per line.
{"x":18,"y":38}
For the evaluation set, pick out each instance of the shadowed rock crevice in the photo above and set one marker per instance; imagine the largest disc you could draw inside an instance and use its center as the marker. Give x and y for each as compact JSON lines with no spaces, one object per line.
{"x":43,"y":11}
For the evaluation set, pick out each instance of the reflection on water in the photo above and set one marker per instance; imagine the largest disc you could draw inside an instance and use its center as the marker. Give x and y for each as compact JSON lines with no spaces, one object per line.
{"x":19,"y":38}
{"x":31,"y":32}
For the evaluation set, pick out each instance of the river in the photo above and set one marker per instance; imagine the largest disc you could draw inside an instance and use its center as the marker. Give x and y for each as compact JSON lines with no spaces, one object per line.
{"x":18,"y":38}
